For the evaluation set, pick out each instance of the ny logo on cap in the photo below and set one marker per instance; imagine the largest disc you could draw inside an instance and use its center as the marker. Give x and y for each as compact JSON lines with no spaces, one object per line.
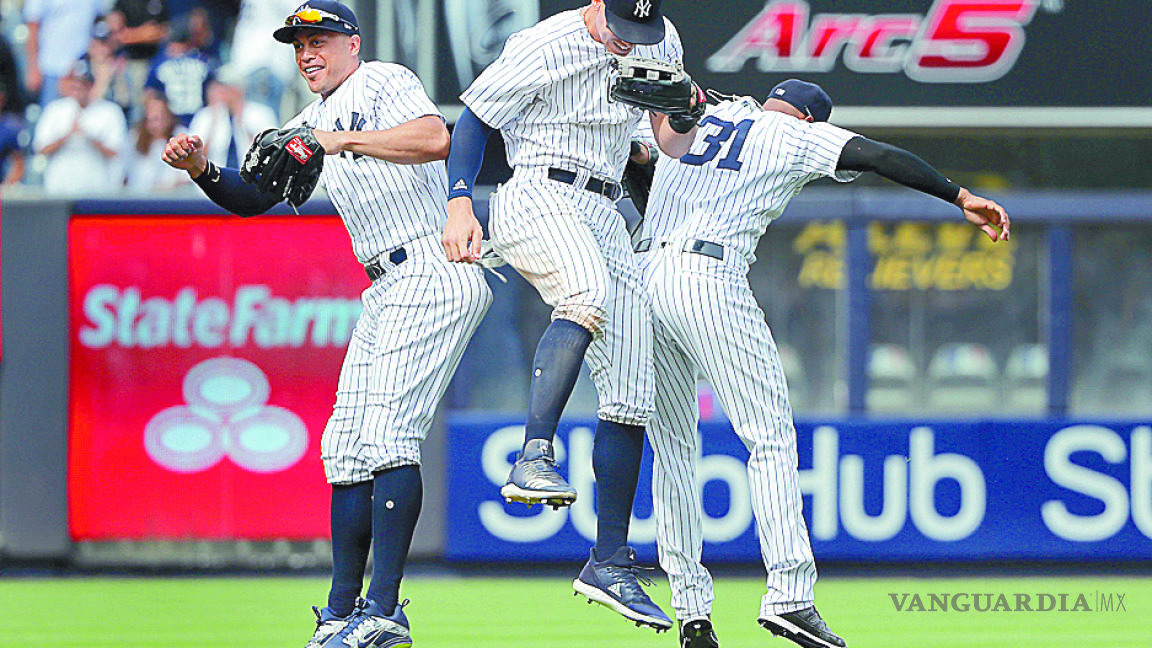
{"x":643,"y":7}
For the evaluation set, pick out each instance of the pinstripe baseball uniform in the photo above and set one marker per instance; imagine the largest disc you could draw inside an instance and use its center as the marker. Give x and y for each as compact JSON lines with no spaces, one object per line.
{"x":419,"y":315}
{"x":547,"y":94}
{"x":705,"y":215}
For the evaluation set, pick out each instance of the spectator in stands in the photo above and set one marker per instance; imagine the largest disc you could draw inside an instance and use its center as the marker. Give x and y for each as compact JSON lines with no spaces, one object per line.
{"x":141,"y":28}
{"x":109,"y":68}
{"x":260,"y":60}
{"x":58,"y":34}
{"x":13,"y":132}
{"x":181,"y":74}
{"x":144,"y":170}
{"x":80,"y":137}
{"x":10,"y":78}
{"x":229,"y":122}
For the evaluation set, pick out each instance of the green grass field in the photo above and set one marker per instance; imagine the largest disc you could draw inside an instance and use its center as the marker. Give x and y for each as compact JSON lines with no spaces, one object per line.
{"x":192,"y":612}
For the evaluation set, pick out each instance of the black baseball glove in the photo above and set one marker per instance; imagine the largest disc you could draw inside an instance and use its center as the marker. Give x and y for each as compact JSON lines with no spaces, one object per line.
{"x":285,"y":163}
{"x":637,"y":177}
{"x":661,"y":87}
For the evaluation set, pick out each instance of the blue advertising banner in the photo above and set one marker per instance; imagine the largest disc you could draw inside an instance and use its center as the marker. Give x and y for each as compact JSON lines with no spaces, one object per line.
{"x":874,"y":490}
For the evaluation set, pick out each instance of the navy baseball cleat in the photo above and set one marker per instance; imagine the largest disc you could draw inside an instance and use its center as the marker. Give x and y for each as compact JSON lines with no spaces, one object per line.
{"x":370,"y":627}
{"x":535,"y":480}
{"x":616,"y":583}
{"x":803,"y":627}
{"x":698,"y":634}
{"x":328,"y":625}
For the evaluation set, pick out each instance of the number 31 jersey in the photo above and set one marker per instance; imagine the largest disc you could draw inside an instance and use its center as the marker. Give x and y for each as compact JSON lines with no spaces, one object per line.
{"x":744,"y":166}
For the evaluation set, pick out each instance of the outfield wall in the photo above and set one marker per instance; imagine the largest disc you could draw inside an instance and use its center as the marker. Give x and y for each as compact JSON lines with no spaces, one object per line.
{"x":167,"y":371}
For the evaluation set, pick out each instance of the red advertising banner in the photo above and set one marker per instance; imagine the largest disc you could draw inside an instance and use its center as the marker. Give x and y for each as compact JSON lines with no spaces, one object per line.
{"x":205,"y":353}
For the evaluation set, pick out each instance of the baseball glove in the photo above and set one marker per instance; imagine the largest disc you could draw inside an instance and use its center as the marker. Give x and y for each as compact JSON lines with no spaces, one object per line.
{"x":637,"y":177}
{"x":661,"y":87}
{"x":285,"y":163}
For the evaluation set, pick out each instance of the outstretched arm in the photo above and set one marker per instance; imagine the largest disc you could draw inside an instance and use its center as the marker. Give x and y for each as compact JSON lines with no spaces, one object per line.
{"x":222,"y":186}
{"x":903,"y":167}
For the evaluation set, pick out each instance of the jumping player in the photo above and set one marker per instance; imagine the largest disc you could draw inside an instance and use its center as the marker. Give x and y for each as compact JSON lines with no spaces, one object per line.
{"x":555,"y":222}
{"x":706,"y":213}
{"x":384,"y":171}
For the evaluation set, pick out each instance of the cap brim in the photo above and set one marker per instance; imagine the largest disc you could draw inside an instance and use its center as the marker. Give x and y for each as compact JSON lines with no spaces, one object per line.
{"x":648,"y":33}
{"x":287,"y":33}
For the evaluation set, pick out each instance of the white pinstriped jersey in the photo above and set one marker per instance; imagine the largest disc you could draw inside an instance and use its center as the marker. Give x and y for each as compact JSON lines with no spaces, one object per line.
{"x":743,"y":168}
{"x":417,"y":317}
{"x":384,"y":205}
{"x":547,"y":93}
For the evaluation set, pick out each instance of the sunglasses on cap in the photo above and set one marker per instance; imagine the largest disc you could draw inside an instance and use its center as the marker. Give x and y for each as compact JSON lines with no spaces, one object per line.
{"x":310,"y":16}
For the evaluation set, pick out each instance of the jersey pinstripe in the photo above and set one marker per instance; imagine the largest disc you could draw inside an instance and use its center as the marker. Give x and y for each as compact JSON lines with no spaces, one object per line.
{"x":418,"y":317}
{"x":743,"y":168}
{"x":383,"y":205}
{"x":548,"y":95}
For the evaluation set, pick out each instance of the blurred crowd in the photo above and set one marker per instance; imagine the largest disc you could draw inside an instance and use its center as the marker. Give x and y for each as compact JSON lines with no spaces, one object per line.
{"x":92,"y":89}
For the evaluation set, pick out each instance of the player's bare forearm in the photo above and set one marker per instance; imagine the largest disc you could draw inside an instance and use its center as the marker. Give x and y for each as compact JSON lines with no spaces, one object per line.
{"x":421,"y":140}
{"x":985,"y":214}
{"x":671,"y":143}
{"x":462,"y":232}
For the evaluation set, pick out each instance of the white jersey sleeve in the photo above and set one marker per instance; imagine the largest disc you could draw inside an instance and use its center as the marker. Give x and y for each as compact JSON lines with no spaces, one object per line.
{"x":510,"y":82}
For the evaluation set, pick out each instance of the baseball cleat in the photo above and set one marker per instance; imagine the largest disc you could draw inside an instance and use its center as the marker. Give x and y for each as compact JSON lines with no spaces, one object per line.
{"x":535,"y":480}
{"x":698,"y":634}
{"x":803,"y":627}
{"x":370,"y":627}
{"x":615,"y":583}
{"x":328,"y":625}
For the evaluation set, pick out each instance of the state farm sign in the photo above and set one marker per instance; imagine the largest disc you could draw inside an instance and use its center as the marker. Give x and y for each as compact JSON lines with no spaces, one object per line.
{"x":955,"y":41}
{"x":204,"y":358}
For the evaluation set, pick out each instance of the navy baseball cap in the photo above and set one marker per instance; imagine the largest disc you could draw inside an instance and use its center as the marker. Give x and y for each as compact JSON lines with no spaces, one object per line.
{"x":326,"y":15}
{"x":808,"y":98}
{"x":638,"y":22}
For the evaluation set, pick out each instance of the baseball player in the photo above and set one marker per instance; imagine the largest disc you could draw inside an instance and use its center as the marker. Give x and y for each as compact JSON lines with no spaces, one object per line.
{"x":705,"y":214}
{"x":384,"y":171}
{"x":555,"y":222}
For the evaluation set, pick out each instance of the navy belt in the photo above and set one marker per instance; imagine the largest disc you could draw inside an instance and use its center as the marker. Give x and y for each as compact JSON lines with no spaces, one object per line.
{"x":607,"y":188}
{"x":375,"y":270}
{"x":696,"y":246}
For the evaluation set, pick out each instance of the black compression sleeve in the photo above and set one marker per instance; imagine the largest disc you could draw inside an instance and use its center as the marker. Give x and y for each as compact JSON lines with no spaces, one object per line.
{"x":898,"y":165}
{"x":225,"y":188}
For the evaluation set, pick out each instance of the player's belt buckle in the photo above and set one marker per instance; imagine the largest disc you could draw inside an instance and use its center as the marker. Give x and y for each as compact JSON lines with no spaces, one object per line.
{"x":607,"y":188}
{"x":707,"y":248}
{"x":375,"y":269}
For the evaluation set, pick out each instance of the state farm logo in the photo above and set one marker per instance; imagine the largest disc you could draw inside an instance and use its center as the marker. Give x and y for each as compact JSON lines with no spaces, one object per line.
{"x":957,"y":41}
{"x":225,"y":415}
{"x":124,"y":317}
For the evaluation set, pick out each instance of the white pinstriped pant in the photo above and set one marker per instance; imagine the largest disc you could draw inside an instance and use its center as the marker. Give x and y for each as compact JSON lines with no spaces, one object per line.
{"x":408,"y":341}
{"x":573,"y":247}
{"x":706,"y":321}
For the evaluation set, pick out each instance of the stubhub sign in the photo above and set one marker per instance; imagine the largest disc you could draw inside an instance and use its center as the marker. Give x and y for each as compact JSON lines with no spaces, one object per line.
{"x":873,"y":490}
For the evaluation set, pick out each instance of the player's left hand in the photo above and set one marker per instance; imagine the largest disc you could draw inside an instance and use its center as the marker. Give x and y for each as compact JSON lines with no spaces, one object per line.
{"x":462,"y":233}
{"x":986,"y":214}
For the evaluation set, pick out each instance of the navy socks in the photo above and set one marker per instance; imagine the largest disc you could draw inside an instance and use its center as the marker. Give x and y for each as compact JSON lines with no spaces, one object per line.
{"x":616,"y":456}
{"x":351,"y":538}
{"x":378,"y":515}
{"x":559,"y":356}
{"x":397,"y":496}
